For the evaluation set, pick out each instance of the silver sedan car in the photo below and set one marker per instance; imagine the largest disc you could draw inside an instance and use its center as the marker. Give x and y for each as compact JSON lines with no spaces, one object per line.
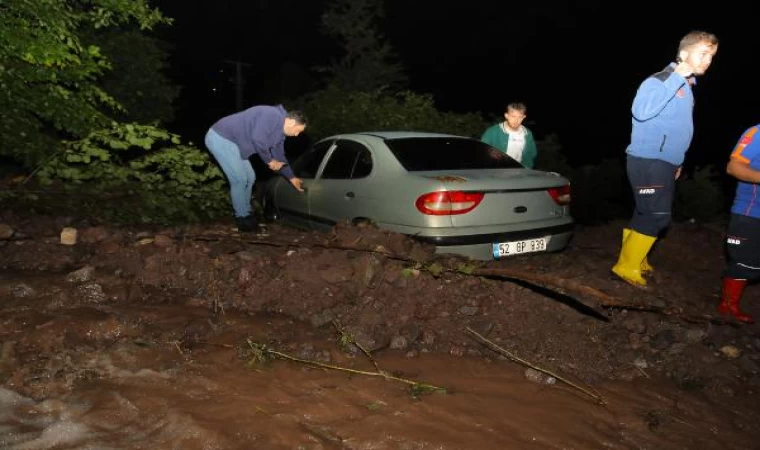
{"x":458,"y":193}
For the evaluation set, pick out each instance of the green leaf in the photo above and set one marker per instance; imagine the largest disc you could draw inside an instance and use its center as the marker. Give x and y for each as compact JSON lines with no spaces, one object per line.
{"x":435,"y":269}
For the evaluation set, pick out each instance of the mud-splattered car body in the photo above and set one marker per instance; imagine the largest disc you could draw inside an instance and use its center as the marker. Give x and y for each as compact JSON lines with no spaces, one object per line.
{"x":456,"y":192}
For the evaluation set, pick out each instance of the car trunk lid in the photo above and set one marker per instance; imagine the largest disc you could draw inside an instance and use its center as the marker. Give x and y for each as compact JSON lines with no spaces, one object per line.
{"x":510,"y":196}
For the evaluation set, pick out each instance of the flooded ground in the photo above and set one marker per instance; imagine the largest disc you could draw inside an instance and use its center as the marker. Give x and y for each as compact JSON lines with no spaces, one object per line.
{"x":199,"y":338}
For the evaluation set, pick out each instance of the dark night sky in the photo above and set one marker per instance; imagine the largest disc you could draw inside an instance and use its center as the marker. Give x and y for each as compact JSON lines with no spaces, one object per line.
{"x":577,"y":64}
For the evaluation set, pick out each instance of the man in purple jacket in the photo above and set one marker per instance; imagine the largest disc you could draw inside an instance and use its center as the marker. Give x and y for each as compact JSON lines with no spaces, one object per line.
{"x":259,"y":130}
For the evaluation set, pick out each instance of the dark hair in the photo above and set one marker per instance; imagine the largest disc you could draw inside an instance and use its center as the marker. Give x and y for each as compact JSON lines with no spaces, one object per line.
{"x":517,"y":106}
{"x":298,"y":116}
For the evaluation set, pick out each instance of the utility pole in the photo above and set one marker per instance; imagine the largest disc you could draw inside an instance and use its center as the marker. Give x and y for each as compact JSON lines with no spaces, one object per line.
{"x":238,"y":81}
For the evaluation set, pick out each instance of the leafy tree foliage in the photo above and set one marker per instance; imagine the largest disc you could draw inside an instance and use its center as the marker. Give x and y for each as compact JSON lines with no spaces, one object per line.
{"x":48,"y":75}
{"x":137,"y":79}
{"x":68,"y":68}
{"x":166,"y":180}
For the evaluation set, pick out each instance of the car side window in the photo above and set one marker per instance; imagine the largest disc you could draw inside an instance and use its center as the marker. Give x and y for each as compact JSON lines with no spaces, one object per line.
{"x":307,"y":165}
{"x":363,"y":166}
{"x":349,"y":160}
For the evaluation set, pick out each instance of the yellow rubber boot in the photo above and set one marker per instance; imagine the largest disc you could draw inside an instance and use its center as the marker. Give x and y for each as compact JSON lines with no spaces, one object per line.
{"x":635,"y":249}
{"x":645,"y":266}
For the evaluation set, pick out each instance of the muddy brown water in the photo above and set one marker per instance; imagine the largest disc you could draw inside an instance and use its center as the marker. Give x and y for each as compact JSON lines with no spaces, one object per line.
{"x":154,"y":392}
{"x":155,"y":349}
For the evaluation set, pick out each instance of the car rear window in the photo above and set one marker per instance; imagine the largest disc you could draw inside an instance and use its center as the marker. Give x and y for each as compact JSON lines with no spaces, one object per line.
{"x":440,"y":153}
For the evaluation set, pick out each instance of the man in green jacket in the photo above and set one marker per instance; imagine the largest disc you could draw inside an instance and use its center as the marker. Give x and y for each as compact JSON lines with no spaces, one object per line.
{"x":512,"y":137}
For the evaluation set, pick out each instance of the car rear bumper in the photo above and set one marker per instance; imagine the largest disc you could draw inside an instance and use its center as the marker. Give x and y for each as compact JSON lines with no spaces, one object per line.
{"x":485,"y":252}
{"x":491,"y":238}
{"x":481,"y":246}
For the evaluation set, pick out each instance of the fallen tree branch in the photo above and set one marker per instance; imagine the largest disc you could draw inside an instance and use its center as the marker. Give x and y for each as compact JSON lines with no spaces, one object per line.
{"x":504,"y":352}
{"x":261,"y":351}
{"x":548,"y":280}
{"x":348,"y":339}
{"x":601,"y":300}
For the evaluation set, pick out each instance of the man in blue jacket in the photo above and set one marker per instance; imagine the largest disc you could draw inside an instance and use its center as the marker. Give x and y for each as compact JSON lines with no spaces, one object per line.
{"x":743,"y":234}
{"x":662,"y":128}
{"x":260,"y":130}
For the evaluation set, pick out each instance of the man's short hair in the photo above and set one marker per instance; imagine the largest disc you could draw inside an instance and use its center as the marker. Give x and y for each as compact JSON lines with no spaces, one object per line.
{"x":298,"y":116}
{"x":697,"y":37}
{"x":517,"y":106}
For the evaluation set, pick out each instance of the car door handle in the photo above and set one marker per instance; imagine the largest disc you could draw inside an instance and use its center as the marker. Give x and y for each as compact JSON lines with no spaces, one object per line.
{"x":350,"y":194}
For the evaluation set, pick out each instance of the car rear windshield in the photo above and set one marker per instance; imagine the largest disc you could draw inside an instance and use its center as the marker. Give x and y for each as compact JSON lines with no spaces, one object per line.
{"x":441,"y":153}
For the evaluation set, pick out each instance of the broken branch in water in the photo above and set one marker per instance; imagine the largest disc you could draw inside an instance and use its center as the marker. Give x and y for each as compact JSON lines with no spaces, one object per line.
{"x":261,"y":351}
{"x":499,"y":349}
{"x":348,"y":339}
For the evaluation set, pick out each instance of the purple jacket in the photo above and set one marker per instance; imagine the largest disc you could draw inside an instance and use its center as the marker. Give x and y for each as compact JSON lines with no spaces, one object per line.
{"x":257,"y":130}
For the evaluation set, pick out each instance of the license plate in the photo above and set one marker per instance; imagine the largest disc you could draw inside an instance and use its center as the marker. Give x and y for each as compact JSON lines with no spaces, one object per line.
{"x":502,"y":249}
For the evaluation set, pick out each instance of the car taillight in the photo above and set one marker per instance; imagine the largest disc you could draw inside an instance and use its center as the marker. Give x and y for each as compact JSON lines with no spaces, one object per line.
{"x":560,"y":195}
{"x":448,"y":203}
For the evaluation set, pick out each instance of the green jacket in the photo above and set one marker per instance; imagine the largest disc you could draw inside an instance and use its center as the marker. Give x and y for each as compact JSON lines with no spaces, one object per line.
{"x":497,"y":138}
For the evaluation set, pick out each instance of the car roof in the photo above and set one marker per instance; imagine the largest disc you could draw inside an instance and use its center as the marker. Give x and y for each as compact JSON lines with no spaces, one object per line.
{"x":403,"y":134}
